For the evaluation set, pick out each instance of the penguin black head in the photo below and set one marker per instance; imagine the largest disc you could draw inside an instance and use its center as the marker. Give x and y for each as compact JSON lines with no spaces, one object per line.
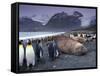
{"x":20,"y":42}
{"x":29,"y":42}
{"x":39,"y":41}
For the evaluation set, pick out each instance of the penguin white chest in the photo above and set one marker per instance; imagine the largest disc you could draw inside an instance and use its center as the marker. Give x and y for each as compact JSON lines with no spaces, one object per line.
{"x":57,"y":53}
{"x":21,"y":54}
{"x":30,"y":55}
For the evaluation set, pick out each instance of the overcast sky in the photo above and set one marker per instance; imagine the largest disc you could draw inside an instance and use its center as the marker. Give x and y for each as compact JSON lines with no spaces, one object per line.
{"x":45,"y":12}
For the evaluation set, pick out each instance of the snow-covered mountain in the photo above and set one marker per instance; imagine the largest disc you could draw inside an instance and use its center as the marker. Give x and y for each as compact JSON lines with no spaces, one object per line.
{"x":41,"y":18}
{"x":63,"y":20}
{"x":27,"y":24}
{"x":59,"y":21}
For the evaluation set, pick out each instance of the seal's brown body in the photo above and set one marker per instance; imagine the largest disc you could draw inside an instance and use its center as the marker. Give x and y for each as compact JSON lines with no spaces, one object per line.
{"x":70,"y":46}
{"x":79,"y":39}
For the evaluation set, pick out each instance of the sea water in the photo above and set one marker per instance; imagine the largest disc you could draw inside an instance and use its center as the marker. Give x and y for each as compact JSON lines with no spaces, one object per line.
{"x":28,"y":35}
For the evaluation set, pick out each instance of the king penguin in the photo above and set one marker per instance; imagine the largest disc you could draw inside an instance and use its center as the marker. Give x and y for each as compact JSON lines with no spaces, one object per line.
{"x":30,"y":54}
{"x":21,"y":53}
{"x":56,"y":52}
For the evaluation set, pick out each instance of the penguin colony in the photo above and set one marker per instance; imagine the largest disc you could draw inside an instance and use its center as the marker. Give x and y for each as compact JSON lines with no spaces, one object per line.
{"x":56,"y":45}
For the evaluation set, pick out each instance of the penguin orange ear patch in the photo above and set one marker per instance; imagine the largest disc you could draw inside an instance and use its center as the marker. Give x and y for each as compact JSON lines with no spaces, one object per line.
{"x":51,"y":37}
